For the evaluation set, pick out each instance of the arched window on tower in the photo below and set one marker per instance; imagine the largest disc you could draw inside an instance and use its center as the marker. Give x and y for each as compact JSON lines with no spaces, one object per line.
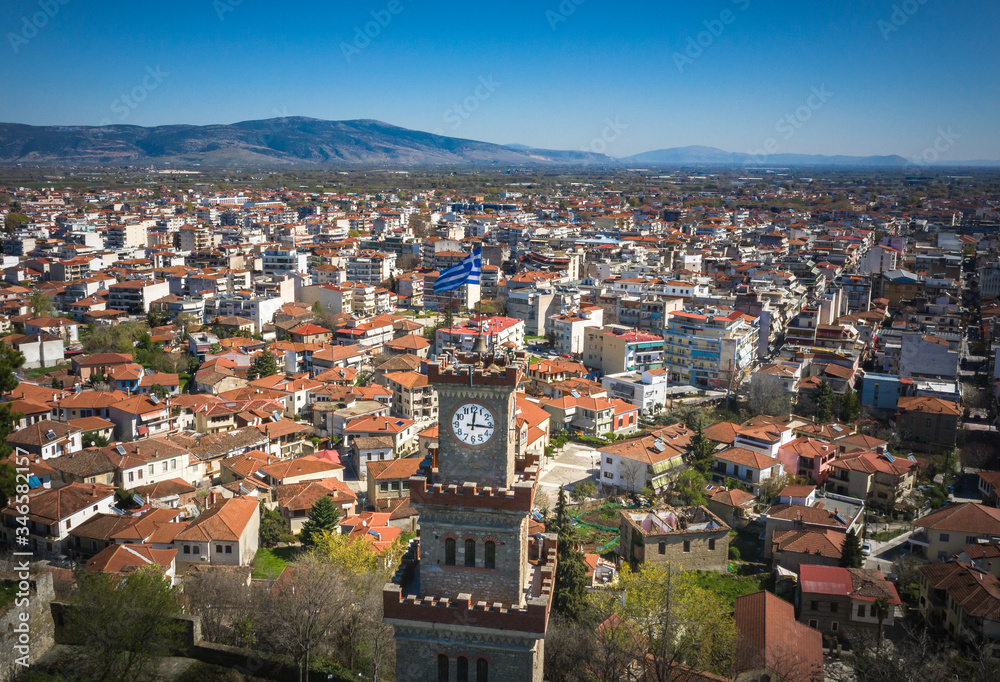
{"x":490,"y":554}
{"x":470,"y":552}
{"x":482,"y":670}
{"x":449,"y":551}
{"x":463,"y":669}
{"x":443,"y":668}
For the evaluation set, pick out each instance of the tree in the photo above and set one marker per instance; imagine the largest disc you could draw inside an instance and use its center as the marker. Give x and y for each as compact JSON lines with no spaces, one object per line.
{"x":317,"y":309}
{"x":14,"y":221}
{"x":632,"y":472}
{"x":123,"y":624}
{"x":850,"y":553}
{"x":216,"y":348}
{"x":323,"y":516}
{"x":225,"y":603}
{"x":881,"y":613}
{"x":94,"y":440}
{"x":850,"y":406}
{"x":765,"y":396}
{"x":583,"y":490}
{"x":299,"y":614}
{"x":40,"y":303}
{"x":264,"y":365}
{"x":570,"y":649}
{"x":272,"y":527}
{"x":570,"y":588}
{"x":155,"y":318}
{"x":689,"y":488}
{"x":824,"y":402}
{"x":669,"y":621}
{"x":702,"y":451}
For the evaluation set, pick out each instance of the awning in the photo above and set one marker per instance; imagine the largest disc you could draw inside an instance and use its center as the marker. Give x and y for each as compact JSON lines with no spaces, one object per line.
{"x":143,"y":430}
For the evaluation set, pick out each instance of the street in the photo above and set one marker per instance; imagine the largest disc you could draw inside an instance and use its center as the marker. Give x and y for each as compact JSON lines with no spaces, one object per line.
{"x":573,"y":463}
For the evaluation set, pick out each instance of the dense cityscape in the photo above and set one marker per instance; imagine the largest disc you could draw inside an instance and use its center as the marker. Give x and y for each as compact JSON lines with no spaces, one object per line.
{"x":761,"y":402}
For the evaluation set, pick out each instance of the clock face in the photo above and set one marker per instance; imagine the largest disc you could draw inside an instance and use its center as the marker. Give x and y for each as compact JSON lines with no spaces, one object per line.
{"x":473,"y":424}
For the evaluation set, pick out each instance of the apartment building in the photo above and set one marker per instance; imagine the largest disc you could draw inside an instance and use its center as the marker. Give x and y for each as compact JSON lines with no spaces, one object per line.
{"x":614,"y":349}
{"x":136,"y":296}
{"x":710,"y":349}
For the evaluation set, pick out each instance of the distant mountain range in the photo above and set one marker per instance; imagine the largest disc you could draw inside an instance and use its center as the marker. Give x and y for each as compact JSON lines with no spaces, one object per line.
{"x":710,"y":156}
{"x":301,"y":141}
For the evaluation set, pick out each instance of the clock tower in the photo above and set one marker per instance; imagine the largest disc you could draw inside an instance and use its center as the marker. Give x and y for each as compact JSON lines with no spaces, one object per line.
{"x":471,"y":599}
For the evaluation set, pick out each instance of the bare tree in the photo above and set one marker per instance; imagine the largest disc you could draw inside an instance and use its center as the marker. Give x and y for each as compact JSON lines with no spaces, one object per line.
{"x":765,"y":396}
{"x":223,"y":598}
{"x":407,"y":262}
{"x":632,"y":472}
{"x":298,"y":614}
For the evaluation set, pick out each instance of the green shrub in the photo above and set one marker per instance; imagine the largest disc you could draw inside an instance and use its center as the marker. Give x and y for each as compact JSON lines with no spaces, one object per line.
{"x":734,"y":553}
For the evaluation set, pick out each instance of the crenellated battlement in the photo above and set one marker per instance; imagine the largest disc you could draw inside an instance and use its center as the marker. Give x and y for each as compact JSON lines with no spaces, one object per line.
{"x":472,"y":371}
{"x":532,"y":616}
{"x":520,"y":497}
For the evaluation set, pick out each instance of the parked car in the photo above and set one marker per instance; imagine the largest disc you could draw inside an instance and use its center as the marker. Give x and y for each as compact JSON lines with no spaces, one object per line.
{"x":866,"y":548}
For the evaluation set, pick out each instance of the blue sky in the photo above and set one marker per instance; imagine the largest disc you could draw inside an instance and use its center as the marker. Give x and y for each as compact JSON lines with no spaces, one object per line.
{"x":623,"y":77}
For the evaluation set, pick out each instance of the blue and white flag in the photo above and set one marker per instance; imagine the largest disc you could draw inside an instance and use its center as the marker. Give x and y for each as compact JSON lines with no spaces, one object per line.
{"x":466,"y":272}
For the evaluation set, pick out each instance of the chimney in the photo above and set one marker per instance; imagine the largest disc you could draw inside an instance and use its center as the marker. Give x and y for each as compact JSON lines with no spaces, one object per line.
{"x":213,"y":497}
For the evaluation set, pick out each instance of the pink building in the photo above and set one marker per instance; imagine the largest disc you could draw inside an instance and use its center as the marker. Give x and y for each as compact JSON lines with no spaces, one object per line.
{"x":808,"y":457}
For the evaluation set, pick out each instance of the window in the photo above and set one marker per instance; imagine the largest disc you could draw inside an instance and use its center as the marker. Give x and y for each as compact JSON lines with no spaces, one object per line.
{"x":662,"y":549}
{"x":470,"y":552}
{"x":490,"y":554}
{"x":384,"y":487}
{"x":443,"y":668}
{"x":150,"y":469}
{"x":812,"y":623}
{"x":608,"y":460}
{"x":187,"y":549}
{"x":861,"y":610}
{"x":197,"y":549}
{"x":463,"y":669}
{"x":608,"y":474}
{"x":944,"y":537}
{"x":814,"y":605}
{"x":130,"y":477}
{"x":834,"y":606}
{"x":711,"y":545}
{"x":218,"y":549}
{"x":173,"y":464}
{"x":482,"y":670}
{"x":687,"y":545}
{"x":164,"y":468}
{"x":833,"y":626}
{"x":449,"y":552}
{"x":970,"y":539}
{"x":229,"y":549}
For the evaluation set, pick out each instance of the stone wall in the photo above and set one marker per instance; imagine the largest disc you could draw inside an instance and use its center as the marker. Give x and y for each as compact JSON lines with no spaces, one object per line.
{"x":40,"y":635}
{"x":705,"y":550}
{"x":501,"y":584}
{"x":509,"y":656}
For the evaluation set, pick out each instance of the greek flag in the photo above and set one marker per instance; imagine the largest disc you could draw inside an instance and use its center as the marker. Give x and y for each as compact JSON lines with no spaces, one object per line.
{"x":466,"y":272}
